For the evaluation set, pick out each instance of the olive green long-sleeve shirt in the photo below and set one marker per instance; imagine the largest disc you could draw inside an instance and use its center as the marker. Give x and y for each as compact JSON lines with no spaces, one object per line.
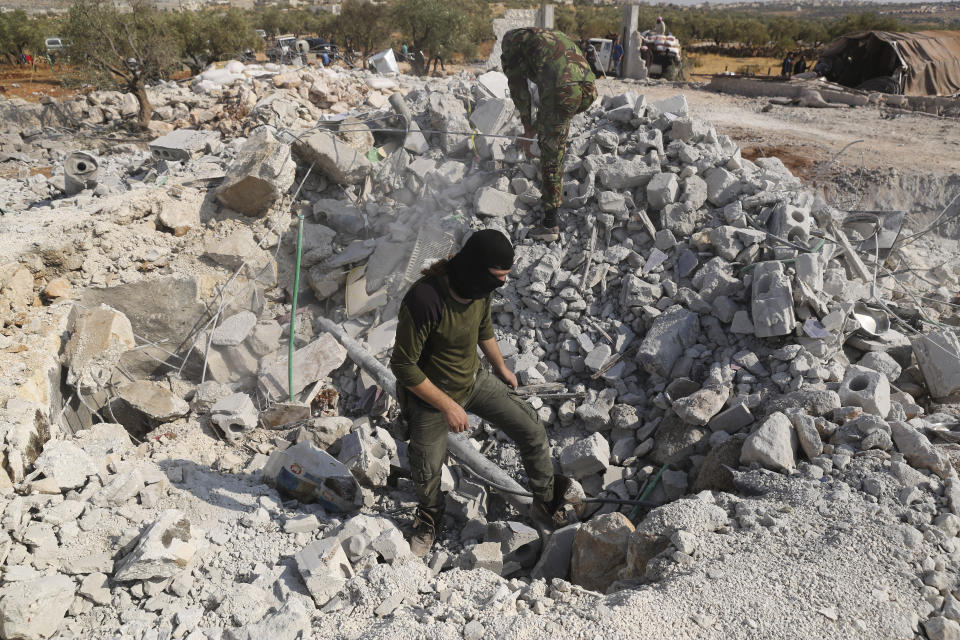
{"x":437,"y":338}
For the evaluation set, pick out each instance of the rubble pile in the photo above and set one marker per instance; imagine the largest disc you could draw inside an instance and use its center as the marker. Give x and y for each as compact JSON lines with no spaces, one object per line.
{"x":706,"y":337}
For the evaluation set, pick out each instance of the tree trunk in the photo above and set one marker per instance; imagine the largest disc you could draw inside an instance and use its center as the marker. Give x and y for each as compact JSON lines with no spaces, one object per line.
{"x":139,"y":89}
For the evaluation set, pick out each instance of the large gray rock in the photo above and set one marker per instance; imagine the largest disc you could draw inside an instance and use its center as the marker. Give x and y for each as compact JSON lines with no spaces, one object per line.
{"x":554,"y":561}
{"x":66,"y":463}
{"x":918,"y":450}
{"x":773,"y":445}
{"x":165,"y":548}
{"x":262,"y":172}
{"x":143,"y":405}
{"x":335,"y":158}
{"x":324,"y":568}
{"x":586,"y":456}
{"x":100,"y":336}
{"x":672,"y":333}
{"x":290,"y":622}
{"x":699,"y":407}
{"x":599,"y":551}
{"x":938,"y":355}
{"x":33,"y":609}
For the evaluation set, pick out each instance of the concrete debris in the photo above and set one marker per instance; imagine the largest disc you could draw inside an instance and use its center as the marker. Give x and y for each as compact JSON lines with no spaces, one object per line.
{"x":704,"y":316}
{"x":234,"y":416}
{"x":164,"y":548}
{"x":599,"y":550}
{"x":33,"y":609}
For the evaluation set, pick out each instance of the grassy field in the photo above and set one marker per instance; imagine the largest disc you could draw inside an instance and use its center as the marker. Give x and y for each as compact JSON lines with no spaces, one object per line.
{"x":710,"y":63}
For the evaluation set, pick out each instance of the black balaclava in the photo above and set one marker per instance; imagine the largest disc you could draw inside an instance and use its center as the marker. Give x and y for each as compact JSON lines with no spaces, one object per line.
{"x":469,"y":270}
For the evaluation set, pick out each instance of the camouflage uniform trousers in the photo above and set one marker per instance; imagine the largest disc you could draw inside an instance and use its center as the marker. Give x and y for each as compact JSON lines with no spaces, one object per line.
{"x":496,"y":403}
{"x":553,"y":124}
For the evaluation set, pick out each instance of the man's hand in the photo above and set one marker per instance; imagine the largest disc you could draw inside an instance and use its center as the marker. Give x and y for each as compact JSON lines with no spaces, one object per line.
{"x":508,"y":377}
{"x":524,"y":145}
{"x":456,"y":417}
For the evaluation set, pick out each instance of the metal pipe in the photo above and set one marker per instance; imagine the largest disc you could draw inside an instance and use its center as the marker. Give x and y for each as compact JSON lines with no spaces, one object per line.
{"x":457,"y":444}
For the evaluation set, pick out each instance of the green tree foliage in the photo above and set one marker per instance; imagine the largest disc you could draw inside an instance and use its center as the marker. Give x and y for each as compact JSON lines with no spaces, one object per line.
{"x":363,"y":26}
{"x":207,"y":36}
{"x":443,"y":27}
{"x":123,"y":49}
{"x":19,"y":33}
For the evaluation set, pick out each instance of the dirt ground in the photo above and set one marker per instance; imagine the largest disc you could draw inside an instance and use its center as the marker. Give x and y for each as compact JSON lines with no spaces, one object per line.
{"x":33,"y":85}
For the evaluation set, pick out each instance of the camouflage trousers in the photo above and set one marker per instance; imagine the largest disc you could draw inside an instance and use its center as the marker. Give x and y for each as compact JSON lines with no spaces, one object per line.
{"x":553,"y":124}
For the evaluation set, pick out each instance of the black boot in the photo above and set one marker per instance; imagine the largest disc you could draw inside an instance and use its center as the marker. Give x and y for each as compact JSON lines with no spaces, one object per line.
{"x":551,"y":515}
{"x":427,"y":524}
{"x":549,"y":229}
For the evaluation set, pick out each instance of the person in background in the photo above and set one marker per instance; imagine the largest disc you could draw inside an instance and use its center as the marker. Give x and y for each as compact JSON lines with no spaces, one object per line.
{"x":552,"y":61}
{"x":801,"y":65}
{"x":660,"y":27}
{"x":442,"y":320}
{"x":787,"y":67}
{"x":617,"y":56}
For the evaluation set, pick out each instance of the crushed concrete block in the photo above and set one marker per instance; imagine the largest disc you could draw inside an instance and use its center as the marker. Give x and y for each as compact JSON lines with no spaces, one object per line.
{"x":672,"y":333}
{"x":301,"y":524}
{"x":234,"y":330}
{"x":599,"y":551}
{"x":34,"y":609}
{"x":772,"y":309}
{"x":519,"y":543}
{"x":328,"y":430}
{"x":310,"y":363}
{"x":335,"y":158}
{"x":586,"y":456}
{"x":938,"y":355}
{"x":234,"y":416}
{"x":485,"y":555}
{"x":554,"y":561}
{"x":95,"y":588}
{"x":677,"y":105}
{"x":100,"y":336}
{"x":65,"y":463}
{"x":722,"y":186}
{"x":368,"y":452}
{"x":494,"y":82}
{"x":918,"y":450}
{"x":262,"y":172}
{"x":493,"y":203}
{"x":866,"y":388}
{"x":324,"y":568}
{"x":881,"y":362}
{"x":183,"y":144}
{"x":699,"y":407}
{"x":772,"y":445}
{"x":491,"y":116}
{"x":164,"y":548}
{"x":415,"y":141}
{"x":143,"y":405}
{"x":662,"y":190}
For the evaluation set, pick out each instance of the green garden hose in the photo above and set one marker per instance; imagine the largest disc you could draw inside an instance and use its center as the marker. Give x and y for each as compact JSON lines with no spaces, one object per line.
{"x":293,"y":310}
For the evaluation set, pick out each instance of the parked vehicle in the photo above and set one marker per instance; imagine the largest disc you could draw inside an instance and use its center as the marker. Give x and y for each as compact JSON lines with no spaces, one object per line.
{"x":604,"y":49}
{"x":661,"y":53}
{"x":261,"y":33}
{"x":54,"y":44}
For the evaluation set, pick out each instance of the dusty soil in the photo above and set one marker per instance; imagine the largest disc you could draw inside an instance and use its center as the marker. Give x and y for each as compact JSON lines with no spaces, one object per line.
{"x":804,"y":137}
{"x":34,"y":85}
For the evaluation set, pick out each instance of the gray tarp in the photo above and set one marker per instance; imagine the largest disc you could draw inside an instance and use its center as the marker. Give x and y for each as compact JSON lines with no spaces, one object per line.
{"x":931,"y":59}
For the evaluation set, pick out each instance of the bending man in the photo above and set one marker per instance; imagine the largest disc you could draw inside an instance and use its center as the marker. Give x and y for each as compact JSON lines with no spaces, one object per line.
{"x":553,"y":62}
{"x":442,"y":319}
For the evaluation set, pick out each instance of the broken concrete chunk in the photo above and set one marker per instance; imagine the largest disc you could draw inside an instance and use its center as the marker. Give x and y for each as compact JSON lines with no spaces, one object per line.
{"x":33,"y":609}
{"x":772,"y":445}
{"x":772,"y":309}
{"x":66,"y":463}
{"x":699,"y":407}
{"x":554,"y":561}
{"x":324,"y":567}
{"x":262,"y":172}
{"x":311,"y":363}
{"x":866,"y":388}
{"x":164,"y":548}
{"x":183,"y":144}
{"x":143,"y":405}
{"x":586,"y":456}
{"x":672,"y":333}
{"x":234,"y":330}
{"x":100,"y":336}
{"x":234,"y":416}
{"x":599,"y":551}
{"x":335,"y":158}
{"x":938,"y":355}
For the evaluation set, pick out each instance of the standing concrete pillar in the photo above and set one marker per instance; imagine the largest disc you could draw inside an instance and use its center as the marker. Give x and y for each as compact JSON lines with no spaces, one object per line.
{"x":545,"y":16}
{"x":633,"y":65}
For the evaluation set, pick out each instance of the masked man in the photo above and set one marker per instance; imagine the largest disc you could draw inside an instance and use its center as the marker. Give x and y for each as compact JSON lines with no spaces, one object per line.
{"x":443,"y":318}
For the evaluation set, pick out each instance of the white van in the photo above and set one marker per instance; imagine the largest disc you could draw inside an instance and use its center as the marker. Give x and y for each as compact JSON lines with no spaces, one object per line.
{"x":54,"y":44}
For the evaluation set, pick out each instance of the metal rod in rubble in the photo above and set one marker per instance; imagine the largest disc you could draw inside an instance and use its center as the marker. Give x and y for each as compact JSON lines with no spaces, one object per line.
{"x":457,"y":444}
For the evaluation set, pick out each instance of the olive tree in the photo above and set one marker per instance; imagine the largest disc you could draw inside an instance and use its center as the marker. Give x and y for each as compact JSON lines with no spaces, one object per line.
{"x":125,"y":49}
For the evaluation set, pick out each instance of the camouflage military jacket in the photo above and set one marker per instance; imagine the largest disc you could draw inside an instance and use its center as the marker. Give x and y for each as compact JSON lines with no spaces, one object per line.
{"x":546,"y":57}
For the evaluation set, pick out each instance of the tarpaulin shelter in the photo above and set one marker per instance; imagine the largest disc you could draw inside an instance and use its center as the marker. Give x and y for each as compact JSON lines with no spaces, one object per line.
{"x":924,"y":63}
